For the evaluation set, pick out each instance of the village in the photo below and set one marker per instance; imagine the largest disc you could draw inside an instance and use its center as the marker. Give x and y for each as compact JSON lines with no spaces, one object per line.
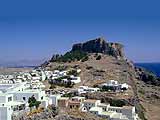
{"x":26,"y":91}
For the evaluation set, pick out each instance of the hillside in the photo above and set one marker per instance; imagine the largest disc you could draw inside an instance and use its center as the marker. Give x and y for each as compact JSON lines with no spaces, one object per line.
{"x":101,"y":61}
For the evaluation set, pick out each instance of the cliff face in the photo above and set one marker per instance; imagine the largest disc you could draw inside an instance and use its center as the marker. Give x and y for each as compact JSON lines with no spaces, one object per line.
{"x":99,"y":45}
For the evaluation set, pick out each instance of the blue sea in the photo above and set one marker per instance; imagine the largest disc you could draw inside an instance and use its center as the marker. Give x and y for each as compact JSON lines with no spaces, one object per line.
{"x":154,"y":67}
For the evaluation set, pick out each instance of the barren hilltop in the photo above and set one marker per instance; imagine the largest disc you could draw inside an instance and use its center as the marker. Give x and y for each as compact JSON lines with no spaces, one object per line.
{"x":101,"y":61}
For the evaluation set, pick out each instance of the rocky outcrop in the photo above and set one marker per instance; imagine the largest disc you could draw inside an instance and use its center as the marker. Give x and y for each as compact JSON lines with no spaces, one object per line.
{"x":99,"y":45}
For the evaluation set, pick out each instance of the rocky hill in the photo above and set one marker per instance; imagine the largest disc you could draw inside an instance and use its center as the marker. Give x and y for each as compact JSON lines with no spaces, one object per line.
{"x":101,"y":61}
{"x":99,"y":45}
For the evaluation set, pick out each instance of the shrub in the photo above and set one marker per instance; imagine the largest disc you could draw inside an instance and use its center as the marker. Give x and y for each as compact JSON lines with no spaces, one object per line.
{"x":141,"y":91}
{"x":89,"y":67}
{"x":98,"y":57}
{"x":33,"y":102}
{"x":85,"y":59}
{"x":61,"y":68}
{"x":70,"y":56}
{"x":117,"y":103}
{"x":52,"y":86}
{"x":107,"y":88}
{"x":68,"y":95}
{"x":73,"y":72}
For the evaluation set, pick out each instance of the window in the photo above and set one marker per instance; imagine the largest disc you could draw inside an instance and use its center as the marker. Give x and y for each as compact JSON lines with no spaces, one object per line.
{"x":42,"y":98}
{"x":24,"y":98}
{"x":9,"y":99}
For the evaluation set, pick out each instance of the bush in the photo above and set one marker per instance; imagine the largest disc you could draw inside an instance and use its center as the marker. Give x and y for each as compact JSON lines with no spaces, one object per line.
{"x":150,"y":78}
{"x":52,"y":86}
{"x":70,"y":56}
{"x":33,"y":102}
{"x":107,"y":88}
{"x":68,"y":95}
{"x":98,"y":57}
{"x":117,"y":103}
{"x":61,"y":68}
{"x":89,"y":67}
{"x":85,"y":59}
{"x":73,"y":72}
{"x":141,"y":91}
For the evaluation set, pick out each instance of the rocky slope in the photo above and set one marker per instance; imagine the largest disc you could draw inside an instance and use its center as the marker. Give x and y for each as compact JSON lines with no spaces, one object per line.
{"x":101,"y":61}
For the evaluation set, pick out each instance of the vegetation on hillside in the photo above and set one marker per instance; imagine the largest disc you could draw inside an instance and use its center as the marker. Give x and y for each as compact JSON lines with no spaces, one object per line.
{"x":70,"y":56}
{"x":148,"y":77}
{"x":98,"y":57}
{"x":73,"y":72}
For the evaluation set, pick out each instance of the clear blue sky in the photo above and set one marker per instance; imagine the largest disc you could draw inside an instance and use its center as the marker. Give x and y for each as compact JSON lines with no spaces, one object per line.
{"x":36,"y":29}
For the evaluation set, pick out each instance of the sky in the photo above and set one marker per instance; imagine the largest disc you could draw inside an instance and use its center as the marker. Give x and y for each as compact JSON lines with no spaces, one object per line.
{"x":34,"y":30}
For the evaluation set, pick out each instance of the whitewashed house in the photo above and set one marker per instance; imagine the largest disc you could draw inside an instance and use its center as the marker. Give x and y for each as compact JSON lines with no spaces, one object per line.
{"x":55,"y":98}
{"x":43,"y":76}
{"x":114,"y":113}
{"x":38,"y":94}
{"x":5,"y":112}
{"x":114,"y":85}
{"x":88,"y":104}
{"x":13,"y":87}
{"x":8,"y":106}
{"x":86,"y":89}
{"x":75,"y":79}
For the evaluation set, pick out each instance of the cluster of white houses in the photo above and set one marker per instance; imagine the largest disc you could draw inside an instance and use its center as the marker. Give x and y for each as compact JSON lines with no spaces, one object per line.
{"x":96,"y":107}
{"x":14,"y":98}
{"x":63,"y":77}
{"x":15,"y":90}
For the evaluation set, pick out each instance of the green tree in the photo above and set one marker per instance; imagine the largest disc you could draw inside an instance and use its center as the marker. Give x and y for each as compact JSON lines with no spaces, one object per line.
{"x":33,"y":102}
{"x":36,"y":104}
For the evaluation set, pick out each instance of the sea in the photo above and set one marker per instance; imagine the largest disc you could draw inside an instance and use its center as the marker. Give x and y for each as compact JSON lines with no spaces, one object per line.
{"x":154,"y":67}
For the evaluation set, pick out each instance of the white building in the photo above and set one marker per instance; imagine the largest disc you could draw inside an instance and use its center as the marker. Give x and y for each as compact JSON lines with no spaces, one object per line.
{"x":75,"y":79}
{"x":115,"y":85}
{"x":89,"y":103}
{"x":36,"y":84}
{"x":13,"y":87}
{"x":114,"y":113}
{"x":43,"y":76}
{"x":8,"y":105}
{"x":5,"y":113}
{"x":55,"y":98}
{"x":86,"y":89}
{"x":38,"y":94}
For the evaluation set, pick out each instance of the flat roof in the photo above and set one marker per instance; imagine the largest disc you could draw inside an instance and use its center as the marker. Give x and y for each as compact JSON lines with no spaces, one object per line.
{"x":4,"y":94}
{"x":27,"y":91}
{"x":95,"y":109}
{"x":90,"y":101}
{"x":124,"y":107}
{"x":73,"y":102}
{"x":78,"y":97}
{"x":64,"y":98}
{"x":128,"y":107}
{"x":12,"y":103}
{"x":108,"y":113}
